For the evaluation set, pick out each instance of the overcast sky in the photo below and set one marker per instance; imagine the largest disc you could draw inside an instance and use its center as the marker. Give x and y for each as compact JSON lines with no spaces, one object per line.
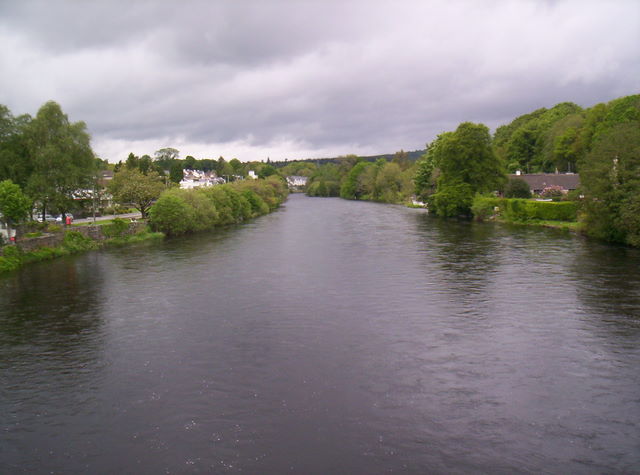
{"x":304,"y":79}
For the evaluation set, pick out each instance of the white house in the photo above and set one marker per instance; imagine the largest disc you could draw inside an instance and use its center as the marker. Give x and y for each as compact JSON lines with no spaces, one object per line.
{"x":197,"y":178}
{"x":296,"y":181}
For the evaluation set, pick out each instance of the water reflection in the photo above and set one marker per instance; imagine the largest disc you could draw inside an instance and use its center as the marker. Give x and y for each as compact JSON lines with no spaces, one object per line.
{"x":608,"y":287}
{"x":332,"y":336}
{"x":51,"y":303}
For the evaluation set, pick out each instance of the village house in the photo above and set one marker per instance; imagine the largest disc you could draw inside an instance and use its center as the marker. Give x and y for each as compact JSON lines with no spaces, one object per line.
{"x":296,"y":182}
{"x":539,"y":181}
{"x":197,"y":178}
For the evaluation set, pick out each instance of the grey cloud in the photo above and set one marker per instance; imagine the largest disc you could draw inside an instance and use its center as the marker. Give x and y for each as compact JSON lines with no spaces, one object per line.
{"x":371,"y":75}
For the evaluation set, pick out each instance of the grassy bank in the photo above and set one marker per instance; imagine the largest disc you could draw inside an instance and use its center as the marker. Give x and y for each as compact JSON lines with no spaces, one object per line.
{"x":74,"y":242}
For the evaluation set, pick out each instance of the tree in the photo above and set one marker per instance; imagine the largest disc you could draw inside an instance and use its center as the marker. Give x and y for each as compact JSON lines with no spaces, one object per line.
{"x":189,"y":163}
{"x":164,"y":157}
{"x":15,"y":206}
{"x":15,"y":163}
{"x":402,"y":159}
{"x":452,"y":199}
{"x":63,"y":162}
{"x":427,"y":172}
{"x":610,"y":179}
{"x":467,"y":165}
{"x":236,"y":166}
{"x":517,"y":188}
{"x":171,"y":215}
{"x":176,"y":174}
{"x":135,"y":188}
{"x":266,"y":171}
{"x":353,"y":186}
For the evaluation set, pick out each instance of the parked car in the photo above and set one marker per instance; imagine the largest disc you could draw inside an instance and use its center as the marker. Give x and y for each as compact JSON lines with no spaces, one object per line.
{"x":47,"y":217}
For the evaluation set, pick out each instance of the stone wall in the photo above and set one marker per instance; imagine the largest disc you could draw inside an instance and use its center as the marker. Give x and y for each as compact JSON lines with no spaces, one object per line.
{"x":46,"y":240}
{"x":55,"y":239}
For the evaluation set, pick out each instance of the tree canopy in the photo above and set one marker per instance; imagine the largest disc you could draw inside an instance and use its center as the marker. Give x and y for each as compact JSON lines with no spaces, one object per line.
{"x":135,"y":188}
{"x":61,"y":157}
{"x":15,"y":206}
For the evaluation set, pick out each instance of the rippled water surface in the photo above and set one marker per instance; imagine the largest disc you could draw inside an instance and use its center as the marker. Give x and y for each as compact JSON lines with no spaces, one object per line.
{"x":328,"y":337}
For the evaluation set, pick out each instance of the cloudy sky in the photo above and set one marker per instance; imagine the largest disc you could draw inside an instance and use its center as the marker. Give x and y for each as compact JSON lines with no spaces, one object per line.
{"x":308,"y":78}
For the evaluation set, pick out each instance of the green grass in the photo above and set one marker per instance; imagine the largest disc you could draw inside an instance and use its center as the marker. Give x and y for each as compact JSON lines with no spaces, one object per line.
{"x":134,"y":238}
{"x":73,"y":243}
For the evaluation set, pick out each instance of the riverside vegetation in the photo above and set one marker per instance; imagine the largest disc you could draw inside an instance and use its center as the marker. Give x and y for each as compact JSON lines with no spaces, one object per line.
{"x":461,"y":172}
{"x":176,"y":212}
{"x":46,"y":159}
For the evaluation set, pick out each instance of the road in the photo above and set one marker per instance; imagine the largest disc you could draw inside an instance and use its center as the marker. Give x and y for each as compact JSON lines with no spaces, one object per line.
{"x":108,"y":216}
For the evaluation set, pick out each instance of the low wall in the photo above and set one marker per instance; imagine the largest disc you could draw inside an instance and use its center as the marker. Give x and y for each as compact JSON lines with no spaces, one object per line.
{"x":55,"y":239}
{"x":46,"y":240}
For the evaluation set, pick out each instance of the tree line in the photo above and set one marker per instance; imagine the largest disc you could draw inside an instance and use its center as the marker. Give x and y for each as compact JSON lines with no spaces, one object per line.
{"x":601,"y":143}
{"x":50,"y":160}
{"x":48,"y":157}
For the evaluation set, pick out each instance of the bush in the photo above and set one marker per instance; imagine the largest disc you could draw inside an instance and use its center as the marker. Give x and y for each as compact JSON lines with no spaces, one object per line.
{"x":117,"y":228}
{"x":171,"y":215}
{"x":554,"y":192}
{"x":517,"y":188}
{"x":553,"y":211}
{"x":452,"y":200}
{"x":182,"y":211}
{"x":258,"y":206}
{"x":75,"y":241}
{"x":484,"y":207}
{"x":11,"y":258}
{"x":520,"y":210}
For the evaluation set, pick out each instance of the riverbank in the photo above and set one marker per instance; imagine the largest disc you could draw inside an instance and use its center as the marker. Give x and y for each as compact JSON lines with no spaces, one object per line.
{"x":176,"y":212}
{"x":46,"y":246}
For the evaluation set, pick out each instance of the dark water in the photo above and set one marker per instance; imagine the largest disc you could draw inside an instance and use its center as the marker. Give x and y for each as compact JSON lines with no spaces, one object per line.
{"x":328,"y":337}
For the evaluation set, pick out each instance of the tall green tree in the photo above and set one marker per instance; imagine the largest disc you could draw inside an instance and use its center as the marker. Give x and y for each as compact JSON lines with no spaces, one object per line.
{"x":467,"y":165}
{"x":135,"y":188}
{"x":63,"y":162}
{"x":164,"y":158}
{"x":610,"y":179}
{"x":15,"y":162}
{"x":176,"y":173}
{"x":15,"y":206}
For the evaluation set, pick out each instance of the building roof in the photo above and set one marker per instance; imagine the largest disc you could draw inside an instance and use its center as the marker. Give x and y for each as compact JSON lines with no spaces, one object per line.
{"x":539,"y":181}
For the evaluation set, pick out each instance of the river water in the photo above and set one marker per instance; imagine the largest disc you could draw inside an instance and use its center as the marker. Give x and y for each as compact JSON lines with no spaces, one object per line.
{"x":328,"y":337}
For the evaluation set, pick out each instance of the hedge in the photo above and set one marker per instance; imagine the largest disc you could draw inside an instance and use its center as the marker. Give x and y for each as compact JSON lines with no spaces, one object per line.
{"x":521,"y":210}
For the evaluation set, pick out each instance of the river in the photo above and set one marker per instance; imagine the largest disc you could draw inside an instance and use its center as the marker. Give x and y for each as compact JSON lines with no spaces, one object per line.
{"x":328,"y":337}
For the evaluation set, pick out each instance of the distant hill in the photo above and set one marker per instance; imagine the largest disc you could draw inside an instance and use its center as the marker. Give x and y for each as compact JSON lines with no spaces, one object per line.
{"x":412,"y":156}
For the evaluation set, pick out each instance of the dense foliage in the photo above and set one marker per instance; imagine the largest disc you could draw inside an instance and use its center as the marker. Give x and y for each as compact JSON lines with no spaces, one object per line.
{"x":517,"y":188}
{"x":523,"y":210}
{"x":14,"y":204}
{"x":48,"y":156}
{"x":180,"y":211}
{"x":459,"y":164}
{"x":134,"y":187}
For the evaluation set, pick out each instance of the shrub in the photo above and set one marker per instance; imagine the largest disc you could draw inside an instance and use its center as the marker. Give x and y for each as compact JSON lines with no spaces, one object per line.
{"x":517,"y":188}
{"x":519,"y":210}
{"x":11,"y":258}
{"x":553,"y":211}
{"x":117,"y":228}
{"x":171,"y":215}
{"x":75,"y":241}
{"x":554,"y":192}
{"x":452,"y":200}
{"x":483,"y":207}
{"x":258,"y":206}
